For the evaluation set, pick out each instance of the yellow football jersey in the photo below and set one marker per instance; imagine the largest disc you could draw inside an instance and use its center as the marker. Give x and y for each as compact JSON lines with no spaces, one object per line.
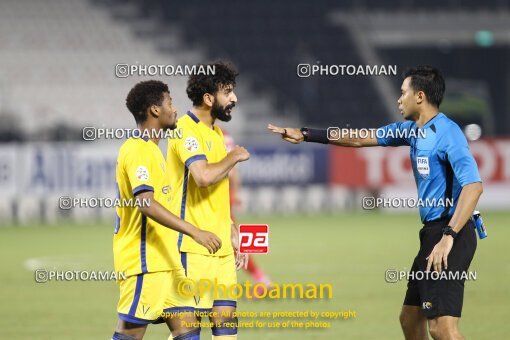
{"x":141,"y":245}
{"x":206,"y":208}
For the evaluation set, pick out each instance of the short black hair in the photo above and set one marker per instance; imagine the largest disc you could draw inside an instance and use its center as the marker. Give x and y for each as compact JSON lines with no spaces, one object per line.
{"x":429,"y":80}
{"x":143,"y":95}
{"x":225,"y":74}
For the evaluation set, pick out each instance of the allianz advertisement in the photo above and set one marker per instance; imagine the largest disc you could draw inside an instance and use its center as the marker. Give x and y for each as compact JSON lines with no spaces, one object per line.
{"x":54,"y":168}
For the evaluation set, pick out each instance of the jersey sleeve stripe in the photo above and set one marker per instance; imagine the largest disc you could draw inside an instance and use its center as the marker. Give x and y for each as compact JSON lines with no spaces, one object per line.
{"x":142,"y":188}
{"x":194,"y":158}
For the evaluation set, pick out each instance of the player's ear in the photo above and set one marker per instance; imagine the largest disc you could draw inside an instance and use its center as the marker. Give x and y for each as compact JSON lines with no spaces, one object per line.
{"x":154,"y":110}
{"x":208,"y":99}
{"x":420,"y":97}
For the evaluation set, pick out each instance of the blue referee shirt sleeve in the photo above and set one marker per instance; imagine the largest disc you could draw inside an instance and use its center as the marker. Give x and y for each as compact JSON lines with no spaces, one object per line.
{"x":393,"y":134}
{"x":460,"y":158}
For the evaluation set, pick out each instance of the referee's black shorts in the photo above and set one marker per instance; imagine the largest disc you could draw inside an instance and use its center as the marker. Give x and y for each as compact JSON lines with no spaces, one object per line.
{"x":441,"y":296}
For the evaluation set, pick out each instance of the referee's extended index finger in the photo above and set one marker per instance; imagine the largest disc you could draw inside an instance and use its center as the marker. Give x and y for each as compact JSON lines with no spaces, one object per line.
{"x":276,"y":129}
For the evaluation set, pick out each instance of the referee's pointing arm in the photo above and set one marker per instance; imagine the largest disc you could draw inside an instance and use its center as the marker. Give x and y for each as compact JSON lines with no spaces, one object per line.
{"x":468,"y":199}
{"x":296,"y":136}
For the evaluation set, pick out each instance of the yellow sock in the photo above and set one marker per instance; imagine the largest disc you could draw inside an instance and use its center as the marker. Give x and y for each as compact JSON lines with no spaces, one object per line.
{"x":224,"y":337}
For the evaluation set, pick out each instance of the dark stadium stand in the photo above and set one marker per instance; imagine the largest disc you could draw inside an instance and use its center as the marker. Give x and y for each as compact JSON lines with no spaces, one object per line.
{"x":267,"y":40}
{"x":269,"y":48}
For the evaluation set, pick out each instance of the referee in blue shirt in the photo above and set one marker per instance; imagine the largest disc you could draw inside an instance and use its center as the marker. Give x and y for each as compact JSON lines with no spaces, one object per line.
{"x":445,"y":171}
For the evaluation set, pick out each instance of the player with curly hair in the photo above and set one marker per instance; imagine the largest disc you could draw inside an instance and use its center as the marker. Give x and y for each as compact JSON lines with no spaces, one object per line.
{"x":144,"y":239}
{"x":201,"y":186}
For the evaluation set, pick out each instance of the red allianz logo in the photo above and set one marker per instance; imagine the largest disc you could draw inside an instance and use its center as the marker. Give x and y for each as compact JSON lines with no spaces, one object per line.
{"x":253,"y":238}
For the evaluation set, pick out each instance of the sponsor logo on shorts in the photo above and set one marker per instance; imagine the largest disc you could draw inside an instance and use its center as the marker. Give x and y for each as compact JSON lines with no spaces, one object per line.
{"x":426,"y":305}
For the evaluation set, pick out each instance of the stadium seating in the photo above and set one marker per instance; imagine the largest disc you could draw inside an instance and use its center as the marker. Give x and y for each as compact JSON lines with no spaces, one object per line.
{"x":59,"y":65}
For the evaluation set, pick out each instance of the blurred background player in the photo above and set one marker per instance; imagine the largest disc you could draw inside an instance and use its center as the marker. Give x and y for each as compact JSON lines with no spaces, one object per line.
{"x":204,"y":198}
{"x":235,"y":182}
{"x":444,"y":169}
{"x":144,"y":241}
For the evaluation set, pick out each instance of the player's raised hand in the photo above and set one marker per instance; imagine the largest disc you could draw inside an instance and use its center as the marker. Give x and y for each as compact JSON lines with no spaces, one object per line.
{"x":291,"y":135}
{"x":208,"y":240}
{"x":240,"y":153}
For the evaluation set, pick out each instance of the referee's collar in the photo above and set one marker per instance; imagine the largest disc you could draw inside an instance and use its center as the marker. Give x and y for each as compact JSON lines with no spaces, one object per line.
{"x":431,"y":121}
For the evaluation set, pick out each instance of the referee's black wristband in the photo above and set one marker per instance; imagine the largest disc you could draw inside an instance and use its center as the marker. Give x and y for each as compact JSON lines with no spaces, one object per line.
{"x":315,"y":135}
{"x":449,"y":231}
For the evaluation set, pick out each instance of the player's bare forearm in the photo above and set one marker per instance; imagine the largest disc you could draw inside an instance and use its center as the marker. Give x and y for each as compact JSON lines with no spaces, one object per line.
{"x":215,"y":172}
{"x":468,"y":199}
{"x":158,"y":213}
{"x":206,"y":174}
{"x":295,"y":136}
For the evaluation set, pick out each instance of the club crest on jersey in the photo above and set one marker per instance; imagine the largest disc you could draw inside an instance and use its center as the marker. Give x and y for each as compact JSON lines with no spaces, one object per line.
{"x":142,"y":174}
{"x":422,"y":165}
{"x":191,"y":144}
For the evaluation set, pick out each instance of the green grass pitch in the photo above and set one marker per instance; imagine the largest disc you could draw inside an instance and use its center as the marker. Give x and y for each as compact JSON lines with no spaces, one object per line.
{"x":349,"y":251}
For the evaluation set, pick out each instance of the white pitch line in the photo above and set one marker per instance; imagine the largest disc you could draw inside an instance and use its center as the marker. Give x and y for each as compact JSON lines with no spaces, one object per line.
{"x":64,"y":262}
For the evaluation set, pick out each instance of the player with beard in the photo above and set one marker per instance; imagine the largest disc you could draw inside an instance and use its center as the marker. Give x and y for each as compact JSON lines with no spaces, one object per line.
{"x":202,"y":194}
{"x":143,"y":243}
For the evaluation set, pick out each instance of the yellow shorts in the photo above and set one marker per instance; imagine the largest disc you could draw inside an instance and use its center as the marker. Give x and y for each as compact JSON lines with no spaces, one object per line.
{"x":213,"y":277}
{"x":144,"y":297}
